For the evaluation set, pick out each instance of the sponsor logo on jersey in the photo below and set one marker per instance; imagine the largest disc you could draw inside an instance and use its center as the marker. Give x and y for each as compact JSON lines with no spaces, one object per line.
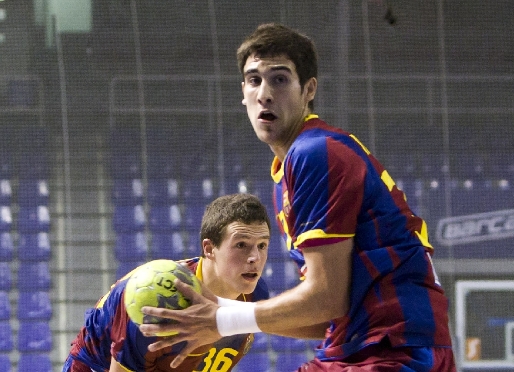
{"x":476,"y":227}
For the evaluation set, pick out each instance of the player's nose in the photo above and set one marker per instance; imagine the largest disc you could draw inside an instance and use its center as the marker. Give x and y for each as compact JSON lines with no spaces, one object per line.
{"x":265,"y":93}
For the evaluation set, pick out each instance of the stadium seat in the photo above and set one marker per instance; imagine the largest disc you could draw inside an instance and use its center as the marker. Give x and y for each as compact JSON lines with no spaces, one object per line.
{"x":277,"y":246}
{"x":5,"y":192}
{"x":5,"y":276}
{"x":34,"y":276}
{"x":131,"y":247}
{"x":33,"y":192}
{"x":127,"y":191}
{"x":5,"y":306}
{"x":33,"y":219}
{"x":167,"y":246}
{"x":5,"y":218}
{"x":193,"y":214}
{"x":125,"y":267}
{"x":161,"y":165}
{"x":290,"y":361}
{"x":254,"y":362}
{"x":165,"y":218}
{"x":287,"y":344}
{"x":280,"y":275}
{"x":34,"y":306}
{"x":34,"y":336}
{"x":6,"y":246}
{"x":5,"y":363}
{"x":198,"y":190}
{"x":260,"y":342}
{"x":34,"y":246}
{"x":129,"y":219}
{"x":35,"y":362}
{"x":163,"y":191}
{"x":6,"y":337}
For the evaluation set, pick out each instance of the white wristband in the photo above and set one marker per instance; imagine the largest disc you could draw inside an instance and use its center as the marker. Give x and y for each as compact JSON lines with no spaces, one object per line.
{"x":233,"y":320}
{"x":228,"y":302}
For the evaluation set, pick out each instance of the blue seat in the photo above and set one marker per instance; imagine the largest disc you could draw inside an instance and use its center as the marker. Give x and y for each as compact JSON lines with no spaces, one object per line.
{"x":163,"y":191}
{"x":165,"y":218}
{"x":168,"y":246}
{"x":33,"y":219}
{"x":35,"y":362}
{"x":126,"y":267}
{"x":127,"y":191}
{"x":193,"y":214}
{"x":5,"y":363}
{"x":5,"y":218}
{"x":131,"y":247}
{"x":5,"y":306}
{"x":198,"y":190}
{"x":6,"y":247}
{"x":260,"y":342}
{"x":281,"y":275}
{"x":34,"y":306}
{"x":287,"y":344}
{"x":254,"y":362}
{"x":5,"y":276}
{"x":5,"y":192}
{"x":129,"y":219}
{"x":6,"y":336}
{"x":34,"y":336}
{"x":34,"y":246}
{"x":290,"y":361}
{"x":33,"y":192}
{"x":277,"y":246}
{"x":34,"y":276}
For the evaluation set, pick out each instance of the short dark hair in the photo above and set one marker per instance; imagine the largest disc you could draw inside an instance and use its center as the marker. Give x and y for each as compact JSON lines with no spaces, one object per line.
{"x":274,"y":39}
{"x":221,"y":212}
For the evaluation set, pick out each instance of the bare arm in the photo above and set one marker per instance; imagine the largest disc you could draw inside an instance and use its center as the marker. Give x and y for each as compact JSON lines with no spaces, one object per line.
{"x":322,"y":296}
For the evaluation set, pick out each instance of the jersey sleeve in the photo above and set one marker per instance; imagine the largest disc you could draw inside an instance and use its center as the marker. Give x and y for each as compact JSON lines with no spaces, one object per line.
{"x":324,"y":179}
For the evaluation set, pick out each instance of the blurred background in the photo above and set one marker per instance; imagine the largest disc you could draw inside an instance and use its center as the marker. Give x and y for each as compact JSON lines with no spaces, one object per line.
{"x":121,"y":119}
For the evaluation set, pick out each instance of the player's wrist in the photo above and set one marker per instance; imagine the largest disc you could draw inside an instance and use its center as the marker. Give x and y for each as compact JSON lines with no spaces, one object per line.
{"x":232,"y":320}
{"x":228,"y":302}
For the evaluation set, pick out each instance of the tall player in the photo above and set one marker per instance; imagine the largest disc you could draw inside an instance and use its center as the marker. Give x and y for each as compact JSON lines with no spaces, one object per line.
{"x":235,"y":234}
{"x":368,"y":281}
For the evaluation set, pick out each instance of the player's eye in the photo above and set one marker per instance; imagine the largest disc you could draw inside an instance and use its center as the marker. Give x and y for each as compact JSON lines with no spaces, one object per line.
{"x":263,"y":246}
{"x":253,"y":80}
{"x":280,"y":79}
{"x":241,"y":245}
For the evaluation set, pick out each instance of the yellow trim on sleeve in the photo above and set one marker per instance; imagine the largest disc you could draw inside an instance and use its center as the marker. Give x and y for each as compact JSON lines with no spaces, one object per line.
{"x":423,"y":236}
{"x":318,"y":233}
{"x":310,"y":116}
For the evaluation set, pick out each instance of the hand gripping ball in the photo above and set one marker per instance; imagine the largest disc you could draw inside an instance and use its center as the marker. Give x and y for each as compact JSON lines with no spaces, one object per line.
{"x":152,"y":284}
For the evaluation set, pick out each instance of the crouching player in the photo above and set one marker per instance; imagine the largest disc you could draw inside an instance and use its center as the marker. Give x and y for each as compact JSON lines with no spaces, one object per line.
{"x":235,"y":234}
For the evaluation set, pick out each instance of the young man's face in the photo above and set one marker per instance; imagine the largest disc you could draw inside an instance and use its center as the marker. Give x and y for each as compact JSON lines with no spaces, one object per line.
{"x":240,"y":258}
{"x":274,"y":99}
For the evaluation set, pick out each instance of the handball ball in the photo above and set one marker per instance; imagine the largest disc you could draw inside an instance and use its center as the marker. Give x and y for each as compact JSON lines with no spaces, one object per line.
{"x":152,"y":284}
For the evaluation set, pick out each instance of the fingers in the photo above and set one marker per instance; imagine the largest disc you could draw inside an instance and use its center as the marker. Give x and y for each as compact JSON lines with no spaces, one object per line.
{"x":188,"y":349}
{"x":187,"y":291}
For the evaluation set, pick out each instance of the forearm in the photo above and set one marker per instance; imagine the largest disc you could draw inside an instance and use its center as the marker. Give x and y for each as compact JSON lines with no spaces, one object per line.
{"x":302,"y":306}
{"x":312,"y":332}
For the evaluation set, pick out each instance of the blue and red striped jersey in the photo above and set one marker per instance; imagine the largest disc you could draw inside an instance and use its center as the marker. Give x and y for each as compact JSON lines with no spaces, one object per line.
{"x":108,"y":331}
{"x":330,"y":188}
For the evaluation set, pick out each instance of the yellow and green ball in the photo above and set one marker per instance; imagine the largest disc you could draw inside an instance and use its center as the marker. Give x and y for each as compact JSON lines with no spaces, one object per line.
{"x":152,"y":284}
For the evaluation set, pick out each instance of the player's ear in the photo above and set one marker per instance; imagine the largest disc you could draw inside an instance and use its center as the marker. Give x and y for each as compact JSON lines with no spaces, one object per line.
{"x":207,"y":248}
{"x":310,"y":87}
{"x":242,"y":88}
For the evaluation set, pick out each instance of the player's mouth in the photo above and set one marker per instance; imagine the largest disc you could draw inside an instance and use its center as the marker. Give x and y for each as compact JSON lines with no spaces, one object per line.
{"x":250,"y":276}
{"x":267,"y":116}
